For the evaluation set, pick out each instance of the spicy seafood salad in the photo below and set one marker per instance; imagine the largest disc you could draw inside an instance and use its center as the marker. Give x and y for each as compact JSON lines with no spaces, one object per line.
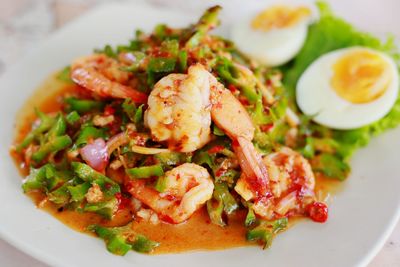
{"x":183,"y":140}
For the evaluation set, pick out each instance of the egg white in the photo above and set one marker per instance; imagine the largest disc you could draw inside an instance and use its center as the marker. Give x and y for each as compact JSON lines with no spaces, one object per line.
{"x":316,"y":97}
{"x":272,"y":48}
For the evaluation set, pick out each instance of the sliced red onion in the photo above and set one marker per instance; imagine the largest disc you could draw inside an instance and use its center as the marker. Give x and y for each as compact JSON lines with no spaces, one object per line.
{"x":95,"y":154}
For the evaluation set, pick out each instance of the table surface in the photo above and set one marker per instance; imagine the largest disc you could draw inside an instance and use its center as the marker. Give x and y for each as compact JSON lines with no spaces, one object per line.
{"x":25,"y":22}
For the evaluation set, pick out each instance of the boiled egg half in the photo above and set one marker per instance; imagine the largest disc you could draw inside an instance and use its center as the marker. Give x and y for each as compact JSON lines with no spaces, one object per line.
{"x":275,"y":35}
{"x":348,"y":88}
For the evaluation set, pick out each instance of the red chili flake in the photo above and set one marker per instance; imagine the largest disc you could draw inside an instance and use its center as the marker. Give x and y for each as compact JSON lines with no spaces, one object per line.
{"x":107,"y":186}
{"x":266,"y":127}
{"x":177,"y":82}
{"x":317,"y":211}
{"x":156,"y":52}
{"x":123,"y":202}
{"x":233,"y":88}
{"x":244,"y":101}
{"x":166,"y":218}
{"x":192,"y":183}
{"x":115,"y":126}
{"x":267,"y":109}
{"x":220,"y":172}
{"x":170,"y":197}
{"x":128,"y":186}
{"x":216,"y":149}
{"x":218,"y":106}
{"x":109,"y":110}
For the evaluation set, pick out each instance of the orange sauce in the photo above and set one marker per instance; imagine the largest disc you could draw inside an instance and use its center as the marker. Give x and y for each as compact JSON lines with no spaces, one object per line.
{"x":195,"y":234}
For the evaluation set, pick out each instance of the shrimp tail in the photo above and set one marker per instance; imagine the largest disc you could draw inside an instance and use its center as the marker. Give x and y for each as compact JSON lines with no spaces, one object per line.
{"x":254,"y":169}
{"x":92,"y":80}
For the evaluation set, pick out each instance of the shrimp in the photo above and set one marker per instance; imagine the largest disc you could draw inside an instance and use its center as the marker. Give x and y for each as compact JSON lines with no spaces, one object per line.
{"x":102,"y":75}
{"x":292,"y":183}
{"x":187,"y":188}
{"x":179,"y":110}
{"x":229,"y":115}
{"x":181,"y":107}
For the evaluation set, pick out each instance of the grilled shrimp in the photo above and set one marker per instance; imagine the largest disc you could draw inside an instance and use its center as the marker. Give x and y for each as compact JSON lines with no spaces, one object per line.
{"x":292,"y":183}
{"x":102,"y":75}
{"x":187,"y":188}
{"x":179,"y":110}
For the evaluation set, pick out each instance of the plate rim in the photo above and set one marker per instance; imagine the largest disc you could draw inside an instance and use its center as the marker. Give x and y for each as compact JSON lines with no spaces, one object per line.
{"x":47,"y":258}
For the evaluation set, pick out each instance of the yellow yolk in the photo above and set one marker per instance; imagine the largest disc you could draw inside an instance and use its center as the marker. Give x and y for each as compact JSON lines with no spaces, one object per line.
{"x":360,"y":76}
{"x":279,"y":17}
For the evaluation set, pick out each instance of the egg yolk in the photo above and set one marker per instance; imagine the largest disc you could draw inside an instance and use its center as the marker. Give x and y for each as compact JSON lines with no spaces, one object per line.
{"x":279,"y":17}
{"x":360,"y":76}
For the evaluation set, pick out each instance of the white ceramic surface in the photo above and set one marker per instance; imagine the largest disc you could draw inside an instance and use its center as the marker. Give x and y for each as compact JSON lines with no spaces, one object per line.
{"x":361,"y":216}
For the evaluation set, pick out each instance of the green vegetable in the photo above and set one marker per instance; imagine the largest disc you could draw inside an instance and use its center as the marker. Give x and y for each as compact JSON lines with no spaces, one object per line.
{"x":169,"y":159}
{"x":83,"y":105}
{"x":215,"y":212}
{"x":143,"y":244}
{"x":137,"y":64}
{"x":182,"y":60}
{"x":161,"y":184}
{"x":65,"y":75}
{"x":207,"y":22}
{"x":308,"y":150}
{"x":87,"y":174}
{"x":56,"y":144}
{"x":60,"y":196}
{"x":231,"y":75}
{"x":157,"y":67}
{"x":160,"y":31}
{"x":138,"y":114}
{"x":39,"y":179}
{"x":171,"y":47}
{"x":88,"y":133}
{"x":58,"y":128}
{"x":145,"y":171}
{"x":262,"y":235}
{"x":202,"y":157}
{"x":266,"y":231}
{"x":119,"y":240}
{"x":217,"y":131}
{"x":258,"y":115}
{"x":229,"y":177}
{"x":103,"y":208}
{"x":222,"y":194}
{"x":79,"y":191}
{"x":108,"y":51}
{"x":331,"y":166}
{"x":72,"y":117}
{"x":161,"y":64}
{"x":250,"y":217}
{"x":278,"y":108}
{"x":129,"y":107}
{"x":54,"y":140}
{"x":46,"y":123}
{"x":115,"y":242}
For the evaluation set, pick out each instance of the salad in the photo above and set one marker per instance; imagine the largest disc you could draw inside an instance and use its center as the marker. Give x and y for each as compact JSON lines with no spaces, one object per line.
{"x":181,"y":139}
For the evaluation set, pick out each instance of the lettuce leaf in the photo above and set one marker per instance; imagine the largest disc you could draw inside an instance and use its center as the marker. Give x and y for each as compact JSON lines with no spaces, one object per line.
{"x":328,"y":34}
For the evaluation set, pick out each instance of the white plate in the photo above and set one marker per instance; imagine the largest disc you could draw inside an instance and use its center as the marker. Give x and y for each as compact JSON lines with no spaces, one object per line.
{"x":361,"y":216}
